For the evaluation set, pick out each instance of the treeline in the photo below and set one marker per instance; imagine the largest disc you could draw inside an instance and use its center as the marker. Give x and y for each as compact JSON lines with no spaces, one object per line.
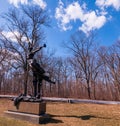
{"x":91,"y":71}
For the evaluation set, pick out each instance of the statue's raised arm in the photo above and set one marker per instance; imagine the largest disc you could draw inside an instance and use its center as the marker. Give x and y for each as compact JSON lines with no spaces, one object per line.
{"x":38,"y":49}
{"x":33,"y":52}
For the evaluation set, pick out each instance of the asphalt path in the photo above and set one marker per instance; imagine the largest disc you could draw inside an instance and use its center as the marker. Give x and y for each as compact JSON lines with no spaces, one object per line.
{"x":69,"y":100}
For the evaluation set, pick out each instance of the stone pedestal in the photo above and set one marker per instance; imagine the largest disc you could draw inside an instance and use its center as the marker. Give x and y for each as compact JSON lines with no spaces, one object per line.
{"x":30,"y":111}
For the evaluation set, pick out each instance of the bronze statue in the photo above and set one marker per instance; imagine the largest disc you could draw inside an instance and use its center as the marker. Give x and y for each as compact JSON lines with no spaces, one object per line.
{"x":38,"y":71}
{"x":38,"y":76}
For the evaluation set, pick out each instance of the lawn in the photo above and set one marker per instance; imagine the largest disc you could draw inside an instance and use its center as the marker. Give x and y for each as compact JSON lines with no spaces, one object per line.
{"x":66,"y":114}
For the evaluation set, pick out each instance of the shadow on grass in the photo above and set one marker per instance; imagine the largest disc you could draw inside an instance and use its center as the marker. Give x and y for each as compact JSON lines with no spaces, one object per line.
{"x":84,"y":117}
{"x":51,"y":120}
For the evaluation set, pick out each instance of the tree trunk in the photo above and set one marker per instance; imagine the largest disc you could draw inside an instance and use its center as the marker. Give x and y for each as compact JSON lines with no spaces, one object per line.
{"x":88,"y":89}
{"x":25,"y":82}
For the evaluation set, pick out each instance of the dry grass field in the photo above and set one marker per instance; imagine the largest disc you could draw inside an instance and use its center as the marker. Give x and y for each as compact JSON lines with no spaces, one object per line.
{"x":66,"y":114}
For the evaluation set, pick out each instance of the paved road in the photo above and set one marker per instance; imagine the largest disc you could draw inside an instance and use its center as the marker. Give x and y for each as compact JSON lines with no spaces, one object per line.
{"x":69,"y":100}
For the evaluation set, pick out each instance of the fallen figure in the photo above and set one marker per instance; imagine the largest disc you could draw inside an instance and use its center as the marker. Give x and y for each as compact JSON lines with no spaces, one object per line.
{"x":24,"y":98}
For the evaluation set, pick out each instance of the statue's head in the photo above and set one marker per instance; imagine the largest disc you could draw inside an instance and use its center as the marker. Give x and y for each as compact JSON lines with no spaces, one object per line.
{"x":30,"y":47}
{"x":34,"y":61}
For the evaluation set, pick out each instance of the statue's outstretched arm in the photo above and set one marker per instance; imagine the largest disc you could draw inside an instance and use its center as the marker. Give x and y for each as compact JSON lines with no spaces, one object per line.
{"x":38,"y":49}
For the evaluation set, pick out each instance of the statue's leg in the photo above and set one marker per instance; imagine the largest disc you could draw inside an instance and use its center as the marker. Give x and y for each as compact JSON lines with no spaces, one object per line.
{"x":39,"y":88}
{"x":46,"y":78}
{"x":35,"y":84}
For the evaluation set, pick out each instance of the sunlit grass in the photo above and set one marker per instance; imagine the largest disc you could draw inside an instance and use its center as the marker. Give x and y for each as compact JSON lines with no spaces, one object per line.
{"x":65,"y":114}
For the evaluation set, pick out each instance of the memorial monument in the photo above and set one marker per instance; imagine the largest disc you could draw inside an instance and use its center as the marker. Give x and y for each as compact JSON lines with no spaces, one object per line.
{"x":31,"y":108}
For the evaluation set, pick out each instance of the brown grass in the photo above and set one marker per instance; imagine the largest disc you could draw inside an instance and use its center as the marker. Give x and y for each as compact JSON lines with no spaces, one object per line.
{"x":65,"y":114}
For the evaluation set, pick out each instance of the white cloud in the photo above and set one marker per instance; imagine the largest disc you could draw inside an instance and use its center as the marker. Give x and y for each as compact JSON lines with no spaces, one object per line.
{"x":12,"y":36}
{"x":63,"y":19}
{"x":106,"y":3}
{"x":74,"y":11}
{"x":90,"y":20}
{"x":16,"y":2}
{"x":41,"y":3}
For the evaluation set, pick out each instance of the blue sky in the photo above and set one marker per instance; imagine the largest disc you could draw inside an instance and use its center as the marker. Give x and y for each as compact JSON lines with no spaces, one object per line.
{"x":68,"y":16}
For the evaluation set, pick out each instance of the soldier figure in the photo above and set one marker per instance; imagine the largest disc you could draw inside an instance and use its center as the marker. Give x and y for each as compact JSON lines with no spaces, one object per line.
{"x":38,"y":71}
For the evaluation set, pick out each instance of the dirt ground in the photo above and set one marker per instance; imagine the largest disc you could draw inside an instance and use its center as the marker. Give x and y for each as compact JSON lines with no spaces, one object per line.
{"x":67,"y":114}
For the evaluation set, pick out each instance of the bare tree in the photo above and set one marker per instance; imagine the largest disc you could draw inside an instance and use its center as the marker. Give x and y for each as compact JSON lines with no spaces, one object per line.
{"x":85,"y":59}
{"x":113,"y":63}
{"x":4,"y":64}
{"x":110,"y":69}
{"x":105,"y":77}
{"x":23,"y":26}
